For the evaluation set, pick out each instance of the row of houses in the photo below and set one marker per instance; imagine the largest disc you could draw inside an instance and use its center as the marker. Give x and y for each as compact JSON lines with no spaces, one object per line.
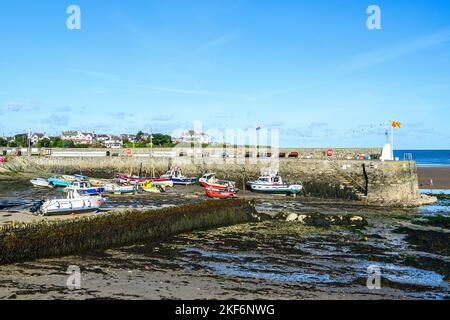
{"x":113,"y":141}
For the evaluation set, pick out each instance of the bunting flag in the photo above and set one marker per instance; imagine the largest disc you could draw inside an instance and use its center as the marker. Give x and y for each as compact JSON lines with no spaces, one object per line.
{"x":396,"y":124}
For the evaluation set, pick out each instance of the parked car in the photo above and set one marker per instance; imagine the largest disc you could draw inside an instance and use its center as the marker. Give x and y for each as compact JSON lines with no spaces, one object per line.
{"x":3,"y":160}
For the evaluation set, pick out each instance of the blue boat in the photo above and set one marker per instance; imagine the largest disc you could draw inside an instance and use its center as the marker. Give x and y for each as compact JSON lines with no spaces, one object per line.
{"x":57,"y":181}
{"x":85,"y":188}
{"x":177,"y":177}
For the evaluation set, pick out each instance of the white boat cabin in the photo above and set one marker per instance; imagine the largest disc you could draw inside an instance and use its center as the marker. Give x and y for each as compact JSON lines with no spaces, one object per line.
{"x":272,"y":179}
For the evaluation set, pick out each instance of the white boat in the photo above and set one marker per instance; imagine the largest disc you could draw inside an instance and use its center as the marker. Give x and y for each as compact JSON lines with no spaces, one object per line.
{"x":40,"y":182}
{"x":273,"y":184}
{"x":119,"y":189}
{"x":84,"y":187}
{"x":74,"y":203}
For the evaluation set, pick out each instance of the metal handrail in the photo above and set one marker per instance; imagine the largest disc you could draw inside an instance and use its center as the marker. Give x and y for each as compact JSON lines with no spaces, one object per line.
{"x":349,"y":176}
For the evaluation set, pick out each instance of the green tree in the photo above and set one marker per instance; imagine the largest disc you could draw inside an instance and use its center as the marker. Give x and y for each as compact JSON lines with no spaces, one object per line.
{"x":68,"y":144}
{"x":140,"y":137}
{"x":44,"y":143}
{"x":20,"y":140}
{"x":3,"y":142}
{"x":56,"y":142}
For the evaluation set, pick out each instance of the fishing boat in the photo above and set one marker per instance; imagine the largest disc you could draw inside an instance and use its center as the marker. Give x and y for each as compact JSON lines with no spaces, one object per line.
{"x":40,"y":182}
{"x":178,"y":178}
{"x":149,"y":186}
{"x":137,"y":179}
{"x":209,"y":180}
{"x":119,"y":189}
{"x":273,"y":184}
{"x":97,"y":182}
{"x":75,"y":177}
{"x":58,"y":181}
{"x":220,"y":193}
{"x":84,"y":187}
{"x":74,"y":203}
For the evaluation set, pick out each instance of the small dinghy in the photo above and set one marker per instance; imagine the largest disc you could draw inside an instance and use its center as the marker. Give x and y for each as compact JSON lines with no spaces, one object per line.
{"x":119,"y":189}
{"x":149,"y":186}
{"x":273,"y":184}
{"x":220,"y":193}
{"x":74,"y":203}
{"x":209,"y":180}
{"x":57,"y":181}
{"x":40,"y":182}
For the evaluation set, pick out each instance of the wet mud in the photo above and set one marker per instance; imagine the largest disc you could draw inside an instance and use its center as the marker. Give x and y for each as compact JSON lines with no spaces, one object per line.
{"x":272,"y":259}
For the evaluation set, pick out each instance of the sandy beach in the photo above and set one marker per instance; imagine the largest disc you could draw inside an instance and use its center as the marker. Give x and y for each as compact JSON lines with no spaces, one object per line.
{"x":440,"y":176}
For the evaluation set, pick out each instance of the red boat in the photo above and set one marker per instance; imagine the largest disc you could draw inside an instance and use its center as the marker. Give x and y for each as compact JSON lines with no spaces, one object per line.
{"x":136,"y":179}
{"x":216,"y":193}
{"x":209,"y":181}
{"x":3,"y":160}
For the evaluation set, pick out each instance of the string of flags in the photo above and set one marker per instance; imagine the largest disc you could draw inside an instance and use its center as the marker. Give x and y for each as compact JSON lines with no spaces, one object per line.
{"x":396,"y":124}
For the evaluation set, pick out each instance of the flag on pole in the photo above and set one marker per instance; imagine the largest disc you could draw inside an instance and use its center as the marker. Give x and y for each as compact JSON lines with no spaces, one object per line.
{"x":396,"y":124}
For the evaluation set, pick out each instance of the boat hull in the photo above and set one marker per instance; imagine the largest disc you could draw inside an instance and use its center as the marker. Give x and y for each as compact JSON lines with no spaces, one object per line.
{"x":72,"y":206}
{"x":187,"y":181}
{"x":119,"y":189}
{"x":40,"y":183}
{"x":58,"y":183}
{"x":215,"y":193}
{"x":207,"y":184}
{"x":275,"y":189}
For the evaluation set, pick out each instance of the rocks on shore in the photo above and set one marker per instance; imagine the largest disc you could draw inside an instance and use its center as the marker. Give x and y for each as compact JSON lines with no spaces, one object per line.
{"x":318,"y":219}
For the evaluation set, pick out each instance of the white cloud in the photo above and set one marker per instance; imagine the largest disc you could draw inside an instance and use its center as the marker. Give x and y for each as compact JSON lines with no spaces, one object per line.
{"x":402,"y":49}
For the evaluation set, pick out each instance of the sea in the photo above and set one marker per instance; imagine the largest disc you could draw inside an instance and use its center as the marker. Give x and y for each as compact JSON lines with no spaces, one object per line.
{"x":425,"y":158}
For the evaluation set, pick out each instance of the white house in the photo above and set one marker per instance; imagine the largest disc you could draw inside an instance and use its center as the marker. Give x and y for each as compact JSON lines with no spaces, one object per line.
{"x":36,"y":137}
{"x":113,"y":142}
{"x":79,"y":137}
{"x":192,"y":136}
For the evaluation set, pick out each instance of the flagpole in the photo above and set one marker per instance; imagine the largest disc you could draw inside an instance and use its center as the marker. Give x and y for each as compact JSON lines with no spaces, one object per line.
{"x":392,"y":141}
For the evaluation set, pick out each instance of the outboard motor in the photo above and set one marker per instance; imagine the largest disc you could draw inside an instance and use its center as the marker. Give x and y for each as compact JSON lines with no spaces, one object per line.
{"x":36,"y":206}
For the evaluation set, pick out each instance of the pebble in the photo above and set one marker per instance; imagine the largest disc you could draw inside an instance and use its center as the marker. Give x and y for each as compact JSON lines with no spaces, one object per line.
{"x":292,"y":217}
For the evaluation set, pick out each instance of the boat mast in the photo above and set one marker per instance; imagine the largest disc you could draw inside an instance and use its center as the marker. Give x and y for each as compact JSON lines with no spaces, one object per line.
{"x":151,"y":152}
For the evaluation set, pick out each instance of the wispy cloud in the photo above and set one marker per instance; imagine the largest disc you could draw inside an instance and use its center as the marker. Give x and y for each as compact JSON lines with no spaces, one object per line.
{"x":119,"y":115}
{"x":57,"y":120}
{"x":19,"y":107}
{"x":218,"y":41}
{"x":95,"y":74}
{"x":402,"y":49}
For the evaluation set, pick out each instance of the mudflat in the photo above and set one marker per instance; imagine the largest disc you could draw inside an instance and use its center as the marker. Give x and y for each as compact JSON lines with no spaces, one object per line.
{"x":439,"y":175}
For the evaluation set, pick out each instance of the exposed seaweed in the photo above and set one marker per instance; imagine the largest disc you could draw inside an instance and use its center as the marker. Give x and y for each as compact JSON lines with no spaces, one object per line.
{"x":57,"y":238}
{"x":324,"y":190}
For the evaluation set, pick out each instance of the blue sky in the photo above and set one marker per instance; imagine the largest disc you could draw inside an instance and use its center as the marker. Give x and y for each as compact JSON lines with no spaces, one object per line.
{"x":311,"y":69}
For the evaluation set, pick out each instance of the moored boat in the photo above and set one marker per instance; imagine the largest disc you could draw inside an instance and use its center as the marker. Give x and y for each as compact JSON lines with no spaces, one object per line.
{"x":119,"y":189}
{"x":40,"y":182}
{"x":178,"y":178}
{"x":137,"y":179}
{"x":149,"y":186}
{"x":273,"y":184}
{"x":220,"y":193}
{"x":58,"y":181}
{"x":84,"y":187}
{"x":74,"y":203}
{"x":209,"y":180}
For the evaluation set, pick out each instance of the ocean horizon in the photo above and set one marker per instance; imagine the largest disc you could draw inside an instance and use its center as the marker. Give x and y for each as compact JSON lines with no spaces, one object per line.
{"x":425,"y":158}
